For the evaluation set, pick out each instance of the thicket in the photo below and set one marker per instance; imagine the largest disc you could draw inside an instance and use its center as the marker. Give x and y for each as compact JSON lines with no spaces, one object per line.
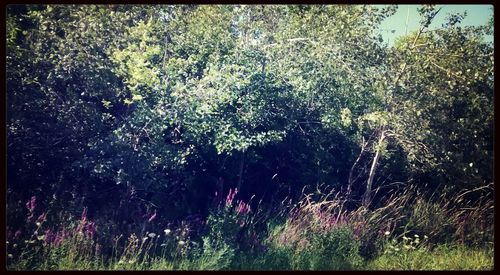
{"x":246,"y":137}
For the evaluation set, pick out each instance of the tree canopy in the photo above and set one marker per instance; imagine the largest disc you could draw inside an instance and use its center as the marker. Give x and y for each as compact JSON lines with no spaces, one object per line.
{"x":163,"y":106}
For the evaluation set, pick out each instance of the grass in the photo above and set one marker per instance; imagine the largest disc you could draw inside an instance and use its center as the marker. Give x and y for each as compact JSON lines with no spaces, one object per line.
{"x":317,"y":233}
{"x":443,"y":257}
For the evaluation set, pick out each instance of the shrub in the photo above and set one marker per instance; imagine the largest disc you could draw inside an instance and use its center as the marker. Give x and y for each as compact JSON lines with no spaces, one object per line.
{"x":317,"y":235}
{"x":335,"y":249}
{"x":225,"y":228}
{"x":215,"y":256}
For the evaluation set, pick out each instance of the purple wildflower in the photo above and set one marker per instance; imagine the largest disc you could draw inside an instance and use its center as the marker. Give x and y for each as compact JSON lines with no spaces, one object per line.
{"x":49,"y":237}
{"x":90,"y":229}
{"x":230,"y":197}
{"x":31,"y":204}
{"x":42,"y":217}
{"x":17,"y":234}
{"x":152,"y":217}
{"x":58,"y":238}
{"x":243,"y":208}
{"x":84,"y":214}
{"x":80,"y":227}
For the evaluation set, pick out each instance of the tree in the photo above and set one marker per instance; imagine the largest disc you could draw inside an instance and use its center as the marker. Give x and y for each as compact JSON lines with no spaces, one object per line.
{"x":157,"y":103}
{"x":435,"y":61}
{"x":63,"y":97}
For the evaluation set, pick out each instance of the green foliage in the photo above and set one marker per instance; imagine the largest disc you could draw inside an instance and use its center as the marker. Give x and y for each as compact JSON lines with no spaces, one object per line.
{"x":140,"y":58}
{"x":134,"y":110}
{"x":223,"y":229}
{"x":439,"y":86}
{"x":331,"y":250}
{"x":166,"y":85}
{"x":216,"y":255}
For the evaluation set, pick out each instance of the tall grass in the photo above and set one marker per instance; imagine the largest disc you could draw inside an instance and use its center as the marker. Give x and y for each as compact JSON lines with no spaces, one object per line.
{"x":443,"y":257}
{"x":406,"y":230}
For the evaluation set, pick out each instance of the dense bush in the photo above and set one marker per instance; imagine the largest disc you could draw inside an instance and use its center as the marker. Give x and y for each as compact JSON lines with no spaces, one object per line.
{"x":241,"y":137}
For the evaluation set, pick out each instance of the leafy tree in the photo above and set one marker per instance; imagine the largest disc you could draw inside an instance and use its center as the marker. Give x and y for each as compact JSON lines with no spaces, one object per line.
{"x":157,"y":108}
{"x":63,"y":97}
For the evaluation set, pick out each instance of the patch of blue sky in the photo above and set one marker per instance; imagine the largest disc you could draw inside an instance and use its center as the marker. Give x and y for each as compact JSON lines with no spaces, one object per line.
{"x":395,"y":26}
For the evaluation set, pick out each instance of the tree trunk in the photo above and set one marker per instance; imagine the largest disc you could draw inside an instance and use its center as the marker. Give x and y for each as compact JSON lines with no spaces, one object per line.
{"x":367,"y":197}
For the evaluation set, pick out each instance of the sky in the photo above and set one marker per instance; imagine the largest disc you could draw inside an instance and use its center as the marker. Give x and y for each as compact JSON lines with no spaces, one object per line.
{"x":476,"y":15}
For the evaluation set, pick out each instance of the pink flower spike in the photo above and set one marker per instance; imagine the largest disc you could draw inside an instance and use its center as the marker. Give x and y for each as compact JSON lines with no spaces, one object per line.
{"x":42,"y":217}
{"x":243,"y":208}
{"x":80,"y":227}
{"x":238,"y":210}
{"x":84,"y":214}
{"x":90,"y":229}
{"x":49,"y":237}
{"x":230,"y":197}
{"x":58,"y":238}
{"x":31,"y":204}
{"x":152,"y":217}
{"x":17,"y":234}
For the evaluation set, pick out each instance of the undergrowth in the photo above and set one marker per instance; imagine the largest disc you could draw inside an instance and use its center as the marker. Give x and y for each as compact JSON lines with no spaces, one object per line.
{"x":408,"y":230}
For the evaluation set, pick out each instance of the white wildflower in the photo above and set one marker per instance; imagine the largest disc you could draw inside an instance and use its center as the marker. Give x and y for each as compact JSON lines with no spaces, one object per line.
{"x":167,"y":231}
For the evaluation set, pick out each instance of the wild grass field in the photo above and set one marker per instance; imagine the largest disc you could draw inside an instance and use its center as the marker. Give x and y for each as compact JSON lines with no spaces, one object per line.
{"x":406,"y":232}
